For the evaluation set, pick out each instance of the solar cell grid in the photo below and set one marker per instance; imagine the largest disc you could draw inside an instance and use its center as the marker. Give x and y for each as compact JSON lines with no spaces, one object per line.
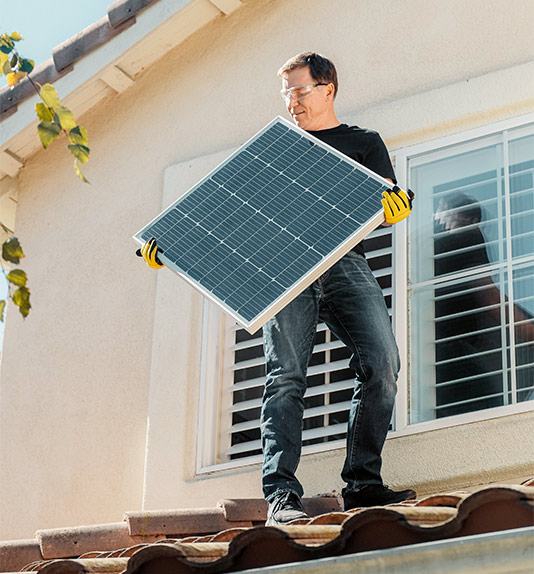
{"x":265,"y":220}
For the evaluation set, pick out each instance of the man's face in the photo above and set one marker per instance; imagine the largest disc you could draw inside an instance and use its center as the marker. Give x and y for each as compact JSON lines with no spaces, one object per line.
{"x":313,"y":112}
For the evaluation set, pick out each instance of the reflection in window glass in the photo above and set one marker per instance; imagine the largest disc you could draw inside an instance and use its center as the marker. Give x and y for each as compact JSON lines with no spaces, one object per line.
{"x":523,"y":311}
{"x":471,"y":329}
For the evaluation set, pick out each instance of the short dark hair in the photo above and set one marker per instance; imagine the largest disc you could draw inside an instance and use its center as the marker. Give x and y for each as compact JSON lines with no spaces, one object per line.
{"x":464,"y":206}
{"x":321,"y":69}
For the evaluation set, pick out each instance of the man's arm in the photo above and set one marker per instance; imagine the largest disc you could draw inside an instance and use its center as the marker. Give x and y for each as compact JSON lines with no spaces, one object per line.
{"x":397,"y":203}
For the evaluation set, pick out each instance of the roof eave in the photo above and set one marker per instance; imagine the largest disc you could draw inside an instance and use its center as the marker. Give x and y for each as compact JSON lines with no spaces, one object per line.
{"x":101,"y":60}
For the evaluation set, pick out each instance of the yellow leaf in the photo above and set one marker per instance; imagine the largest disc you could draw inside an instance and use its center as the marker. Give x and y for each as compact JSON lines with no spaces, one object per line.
{"x":15,"y":36}
{"x":49,"y":96}
{"x":80,"y":152}
{"x":66,"y":119}
{"x":48,"y":132}
{"x":79,"y":172}
{"x":6,"y":67}
{"x":78,"y":135}
{"x":13,"y":78}
{"x":3,"y":59}
{"x":21,"y":298}
{"x":43,"y":112}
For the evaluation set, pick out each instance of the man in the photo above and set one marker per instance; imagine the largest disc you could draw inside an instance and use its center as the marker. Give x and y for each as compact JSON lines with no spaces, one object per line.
{"x":349,"y":300}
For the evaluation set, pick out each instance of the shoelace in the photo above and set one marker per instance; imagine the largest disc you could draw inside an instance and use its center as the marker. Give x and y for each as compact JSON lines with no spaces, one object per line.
{"x":284,"y":502}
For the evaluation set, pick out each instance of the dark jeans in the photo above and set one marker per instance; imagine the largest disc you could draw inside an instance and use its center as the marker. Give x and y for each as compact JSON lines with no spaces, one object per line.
{"x":349,"y":300}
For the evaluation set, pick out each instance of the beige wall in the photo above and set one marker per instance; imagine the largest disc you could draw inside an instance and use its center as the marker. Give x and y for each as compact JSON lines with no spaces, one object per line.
{"x":110,"y":347}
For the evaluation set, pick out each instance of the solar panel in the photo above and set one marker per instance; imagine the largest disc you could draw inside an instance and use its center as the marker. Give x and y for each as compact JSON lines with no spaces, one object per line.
{"x":268,"y":221}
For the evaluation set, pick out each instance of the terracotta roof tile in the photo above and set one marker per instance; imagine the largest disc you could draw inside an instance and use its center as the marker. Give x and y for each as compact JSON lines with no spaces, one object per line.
{"x":11,"y":97}
{"x":82,"y":566}
{"x":337,"y":533}
{"x":363,"y":530}
{"x":329,"y":518}
{"x":123,"y":10}
{"x":98,"y":33}
{"x":440,"y":500}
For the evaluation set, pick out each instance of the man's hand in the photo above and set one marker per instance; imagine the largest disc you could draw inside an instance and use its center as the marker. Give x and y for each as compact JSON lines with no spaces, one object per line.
{"x":397,"y":205}
{"x":149,"y":252}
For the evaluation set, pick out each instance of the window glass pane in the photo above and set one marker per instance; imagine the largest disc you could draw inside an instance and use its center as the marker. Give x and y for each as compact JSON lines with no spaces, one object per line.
{"x":522,"y":195}
{"x":458,"y":331}
{"x":457,"y":209}
{"x":470,"y":231}
{"x":524,"y":332}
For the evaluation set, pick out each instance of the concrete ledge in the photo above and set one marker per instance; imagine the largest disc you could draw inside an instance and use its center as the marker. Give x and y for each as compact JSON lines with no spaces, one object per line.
{"x":73,"y":542}
{"x":255,"y":509}
{"x":15,"y":554}
{"x":180,"y":522}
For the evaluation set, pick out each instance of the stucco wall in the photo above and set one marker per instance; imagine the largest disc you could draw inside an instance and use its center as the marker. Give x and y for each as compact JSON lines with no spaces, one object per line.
{"x":110,"y":347}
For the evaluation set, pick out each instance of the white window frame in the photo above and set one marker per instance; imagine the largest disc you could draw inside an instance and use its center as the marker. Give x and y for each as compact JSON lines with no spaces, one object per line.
{"x":400,"y":278}
{"x":216,"y":326}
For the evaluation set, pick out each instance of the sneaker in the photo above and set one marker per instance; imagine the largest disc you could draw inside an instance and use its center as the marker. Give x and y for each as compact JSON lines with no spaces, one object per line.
{"x":375,"y":495}
{"x":284,"y":508}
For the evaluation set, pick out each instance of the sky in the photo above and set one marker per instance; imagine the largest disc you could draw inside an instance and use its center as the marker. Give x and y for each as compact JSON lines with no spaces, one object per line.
{"x":43,"y":24}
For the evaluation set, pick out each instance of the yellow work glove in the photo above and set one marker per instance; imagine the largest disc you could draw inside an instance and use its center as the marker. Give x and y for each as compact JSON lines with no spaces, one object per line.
{"x":397,"y":205}
{"x":149,"y":252}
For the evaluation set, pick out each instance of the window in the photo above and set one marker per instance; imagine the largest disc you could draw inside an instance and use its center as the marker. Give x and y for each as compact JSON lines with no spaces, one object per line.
{"x":330,"y":381}
{"x":471,"y":275}
{"x":463,"y":306}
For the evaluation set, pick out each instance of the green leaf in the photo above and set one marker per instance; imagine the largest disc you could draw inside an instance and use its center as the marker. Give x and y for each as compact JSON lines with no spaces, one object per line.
{"x":79,"y":172}
{"x":12,"y":251}
{"x":15,"y":36}
{"x":43,"y":112}
{"x":6,"y":44}
{"x":26,"y":65}
{"x":2,"y":309}
{"x":48,"y":132}
{"x":80,"y":152}
{"x":65,"y":117}
{"x":49,"y":96}
{"x":14,"y":60}
{"x":21,"y":298}
{"x":6,"y":67}
{"x":18,"y":277}
{"x":78,"y":135}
